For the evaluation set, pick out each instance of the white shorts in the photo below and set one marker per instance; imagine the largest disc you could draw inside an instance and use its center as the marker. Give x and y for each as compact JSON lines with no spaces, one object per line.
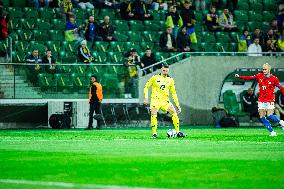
{"x":266,"y":106}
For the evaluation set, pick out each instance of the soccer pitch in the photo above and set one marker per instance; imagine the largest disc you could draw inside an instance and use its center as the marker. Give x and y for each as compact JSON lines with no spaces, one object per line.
{"x":130,"y":158}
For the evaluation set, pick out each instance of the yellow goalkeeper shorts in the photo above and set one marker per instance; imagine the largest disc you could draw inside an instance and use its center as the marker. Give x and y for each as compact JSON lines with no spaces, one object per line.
{"x":161,"y":105}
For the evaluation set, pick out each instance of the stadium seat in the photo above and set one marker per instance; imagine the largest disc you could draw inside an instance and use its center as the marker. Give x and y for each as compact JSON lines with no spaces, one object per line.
{"x":242,"y":5}
{"x":241,"y":16}
{"x":115,"y":57}
{"x":134,"y":36}
{"x":43,"y":25}
{"x":135,"y":25}
{"x":80,"y":14}
{"x":253,"y":25}
{"x":231,"y":104}
{"x":257,"y":7}
{"x":208,"y":37}
{"x":121,"y":25}
{"x":15,"y":13}
{"x":101,"y":46}
{"x":116,"y":46}
{"x":80,"y":81}
{"x":100,"y":57}
{"x":145,"y":45}
{"x":107,"y":12}
{"x":58,"y":24}
{"x":46,"y":13}
{"x":269,"y":5}
{"x":265,"y":26}
{"x":208,"y":47}
{"x":151,"y":26}
{"x":28,"y":24}
{"x":222,"y":37}
{"x":150,"y":36}
{"x":18,"y":57}
{"x":41,"y":35}
{"x":21,"y":46}
{"x":122,"y":37}
{"x":30,"y":13}
{"x":63,"y":81}
{"x":18,"y":3}
{"x":255,"y":17}
{"x":25,"y":35}
{"x":47,"y":81}
{"x":132,"y":45}
{"x":268,"y":16}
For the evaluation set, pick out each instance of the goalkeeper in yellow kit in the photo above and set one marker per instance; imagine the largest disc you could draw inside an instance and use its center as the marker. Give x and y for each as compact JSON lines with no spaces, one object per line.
{"x":161,"y":85}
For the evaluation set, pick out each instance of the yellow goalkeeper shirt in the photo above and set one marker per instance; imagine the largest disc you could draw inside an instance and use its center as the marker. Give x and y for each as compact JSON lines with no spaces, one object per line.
{"x":160,"y":89}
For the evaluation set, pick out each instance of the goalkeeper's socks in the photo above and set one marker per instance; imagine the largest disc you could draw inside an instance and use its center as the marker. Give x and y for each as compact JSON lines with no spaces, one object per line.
{"x":175,"y":121}
{"x":154,"y":123}
{"x":266,"y":124}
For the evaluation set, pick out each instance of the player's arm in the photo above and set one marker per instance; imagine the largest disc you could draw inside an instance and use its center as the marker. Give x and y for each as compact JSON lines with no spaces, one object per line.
{"x":277,"y":84}
{"x":245,"y":77}
{"x":174,"y":95}
{"x":146,"y":89}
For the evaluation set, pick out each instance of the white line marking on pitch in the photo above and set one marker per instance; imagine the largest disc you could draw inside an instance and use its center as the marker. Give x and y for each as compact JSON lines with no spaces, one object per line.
{"x":66,"y":184}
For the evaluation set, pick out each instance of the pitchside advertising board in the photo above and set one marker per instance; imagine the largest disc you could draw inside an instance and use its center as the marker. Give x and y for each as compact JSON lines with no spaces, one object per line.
{"x":60,"y":113}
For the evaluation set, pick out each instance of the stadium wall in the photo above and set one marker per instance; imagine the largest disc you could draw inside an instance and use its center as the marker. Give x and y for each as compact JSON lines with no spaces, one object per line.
{"x":198,"y":81}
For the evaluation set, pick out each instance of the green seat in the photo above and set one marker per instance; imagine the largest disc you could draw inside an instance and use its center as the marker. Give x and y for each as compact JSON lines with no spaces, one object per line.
{"x":132,"y":45}
{"x":116,"y":46}
{"x":25,"y":35}
{"x":199,"y":16}
{"x":270,"y":5}
{"x":22,"y":46}
{"x":56,"y":35}
{"x":255,"y":17}
{"x":223,"y":37}
{"x":80,"y":14}
{"x":64,"y":81}
{"x":30,"y":13}
{"x":15,"y":13}
{"x":47,"y":81}
{"x":54,"y":46}
{"x":241,"y":16}
{"x":58,"y":24}
{"x":18,"y":57}
{"x":28,"y":24}
{"x":208,"y":37}
{"x":18,"y":3}
{"x":136,"y":26}
{"x":253,"y":25}
{"x":115,"y":57}
{"x":231,"y":104}
{"x":110,"y":84}
{"x":242,"y":5}
{"x":43,"y":25}
{"x":100,"y":57}
{"x":41,"y":35}
{"x":134,"y":36}
{"x":6,"y":3}
{"x":93,"y":12}
{"x":14,"y":24}
{"x":151,"y":26}
{"x":69,"y":47}
{"x":208,"y":47}
{"x":265,"y":26}
{"x":156,"y":15}
{"x":121,"y":25}
{"x":145,"y":45}
{"x":268,"y":16}
{"x":37,"y":45}
{"x":121,"y":36}
{"x":101,"y":46}
{"x":161,"y":56}
{"x":107,"y":12}
{"x":221,"y":47}
{"x":80,"y":81}
{"x":256,"y":6}
{"x":46,"y":13}
{"x":150,"y":36}
{"x":234,"y":37}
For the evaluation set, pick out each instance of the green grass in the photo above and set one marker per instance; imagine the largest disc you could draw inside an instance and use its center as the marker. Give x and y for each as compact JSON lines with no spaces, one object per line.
{"x":208,"y":158}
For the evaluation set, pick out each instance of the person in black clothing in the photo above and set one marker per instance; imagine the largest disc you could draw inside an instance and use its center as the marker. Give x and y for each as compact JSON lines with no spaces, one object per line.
{"x":107,"y":30}
{"x":148,"y":59}
{"x":167,"y":41}
{"x":48,"y":59}
{"x":211,"y":20}
{"x":35,"y":59}
{"x":95,"y":100}
{"x":183,"y":41}
{"x":279,"y":105}
{"x":187,"y":15}
{"x":140,"y":11}
{"x":250,"y":103}
{"x":126,"y":10}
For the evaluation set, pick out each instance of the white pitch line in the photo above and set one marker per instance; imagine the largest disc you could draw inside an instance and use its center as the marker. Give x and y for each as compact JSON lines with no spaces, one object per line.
{"x":66,"y":184}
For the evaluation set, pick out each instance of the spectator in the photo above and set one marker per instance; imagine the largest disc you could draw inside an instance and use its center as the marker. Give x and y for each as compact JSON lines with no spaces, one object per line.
{"x":160,"y":5}
{"x":132,"y":61}
{"x":71,"y":28}
{"x":126,"y":10}
{"x":258,"y":34}
{"x":85,"y":4}
{"x":34,"y":69}
{"x":173,"y":20}
{"x":107,"y":30}
{"x":279,"y":105}
{"x":183,"y":41}
{"x":188,"y":19}
{"x":244,"y":41}
{"x":148,"y":59}
{"x":212,"y":20}
{"x":48,"y":59}
{"x":140,"y":11}
{"x":40,"y":3}
{"x":4,"y":19}
{"x":114,"y":4}
{"x":66,"y":8}
{"x":255,"y":48}
{"x":269,"y":47}
{"x":273,"y":26}
{"x":167,"y":41}
{"x":250,"y":103}
{"x":84,"y":53}
{"x":226,"y":21}
{"x":280,"y":19}
{"x":280,"y":42}
{"x":92,"y":30}
{"x":200,"y":5}
{"x":148,"y":3}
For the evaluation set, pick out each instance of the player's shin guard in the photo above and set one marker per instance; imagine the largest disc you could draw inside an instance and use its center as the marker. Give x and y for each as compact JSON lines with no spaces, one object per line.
{"x":175,"y":121}
{"x":266,"y":124}
{"x":154,"y":123}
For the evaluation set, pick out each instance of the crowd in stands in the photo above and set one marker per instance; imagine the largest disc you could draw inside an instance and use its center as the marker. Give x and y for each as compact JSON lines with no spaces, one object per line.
{"x":181,"y":31}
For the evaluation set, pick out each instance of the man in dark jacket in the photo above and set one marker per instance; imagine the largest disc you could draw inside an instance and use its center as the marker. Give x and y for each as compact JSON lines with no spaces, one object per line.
{"x":147,"y":60}
{"x":167,"y":41}
{"x":250,"y":103}
{"x":107,"y":30}
{"x":183,"y":41}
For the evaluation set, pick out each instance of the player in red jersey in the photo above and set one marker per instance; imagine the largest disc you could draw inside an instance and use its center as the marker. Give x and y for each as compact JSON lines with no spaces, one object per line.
{"x":267,"y":83}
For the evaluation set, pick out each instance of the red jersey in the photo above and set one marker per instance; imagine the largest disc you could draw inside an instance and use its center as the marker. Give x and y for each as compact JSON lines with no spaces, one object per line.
{"x":266,"y":86}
